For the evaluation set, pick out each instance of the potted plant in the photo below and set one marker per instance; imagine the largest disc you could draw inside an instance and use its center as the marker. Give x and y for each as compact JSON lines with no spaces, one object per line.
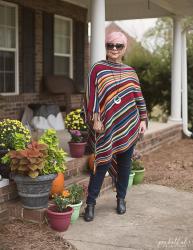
{"x":77,"y":144}
{"x":56,"y":157}
{"x":59,"y":213}
{"x":137,"y":167}
{"x":34,"y":169}
{"x":75,"y":121}
{"x":78,"y":131}
{"x":13,"y":135}
{"x":76,"y":195}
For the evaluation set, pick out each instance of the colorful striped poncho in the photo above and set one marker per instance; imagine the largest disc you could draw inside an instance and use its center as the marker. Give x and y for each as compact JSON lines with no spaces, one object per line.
{"x":121,"y":121}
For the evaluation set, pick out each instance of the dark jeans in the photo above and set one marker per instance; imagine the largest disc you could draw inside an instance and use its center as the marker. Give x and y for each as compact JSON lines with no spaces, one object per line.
{"x":96,"y":180}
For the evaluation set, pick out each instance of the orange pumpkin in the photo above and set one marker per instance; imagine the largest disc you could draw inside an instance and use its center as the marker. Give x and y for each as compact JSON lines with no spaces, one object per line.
{"x":91,"y":162}
{"x":58,"y":184}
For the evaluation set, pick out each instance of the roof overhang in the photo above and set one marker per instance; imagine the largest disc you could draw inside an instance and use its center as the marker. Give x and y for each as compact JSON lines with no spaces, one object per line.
{"x":134,"y":9}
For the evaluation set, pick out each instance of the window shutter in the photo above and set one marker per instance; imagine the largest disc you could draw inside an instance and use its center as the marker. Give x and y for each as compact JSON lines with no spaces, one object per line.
{"x":28,"y":50}
{"x":79,"y":49}
{"x":48,"y":44}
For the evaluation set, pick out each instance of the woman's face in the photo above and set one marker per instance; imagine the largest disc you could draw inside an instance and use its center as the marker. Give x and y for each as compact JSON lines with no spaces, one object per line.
{"x":115,"y":51}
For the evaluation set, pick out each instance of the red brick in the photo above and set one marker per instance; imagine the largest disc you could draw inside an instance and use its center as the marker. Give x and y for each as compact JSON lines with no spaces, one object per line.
{"x":4,"y":216}
{"x":36,"y":215}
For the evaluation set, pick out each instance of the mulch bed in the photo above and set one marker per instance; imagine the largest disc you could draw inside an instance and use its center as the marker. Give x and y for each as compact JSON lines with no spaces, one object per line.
{"x":18,"y":235}
{"x":171,"y":165}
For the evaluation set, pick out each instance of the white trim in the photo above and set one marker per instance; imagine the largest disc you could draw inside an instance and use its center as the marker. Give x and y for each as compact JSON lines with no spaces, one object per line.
{"x":16,"y":50}
{"x":97,"y":30}
{"x":71,"y":44}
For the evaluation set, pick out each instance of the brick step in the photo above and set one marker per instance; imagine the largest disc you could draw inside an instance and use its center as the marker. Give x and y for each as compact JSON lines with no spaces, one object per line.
{"x":7,"y":193}
{"x":38,"y":215}
{"x":4,"y":213}
{"x":155,"y":140}
{"x":76,"y":166}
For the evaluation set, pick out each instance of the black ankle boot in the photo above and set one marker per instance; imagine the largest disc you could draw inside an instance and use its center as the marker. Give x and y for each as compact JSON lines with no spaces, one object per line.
{"x":89,"y":212}
{"x":121,"y":206}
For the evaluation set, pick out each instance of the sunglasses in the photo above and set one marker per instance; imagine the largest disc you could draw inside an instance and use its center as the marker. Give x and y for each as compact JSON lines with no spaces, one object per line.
{"x":118,"y":46}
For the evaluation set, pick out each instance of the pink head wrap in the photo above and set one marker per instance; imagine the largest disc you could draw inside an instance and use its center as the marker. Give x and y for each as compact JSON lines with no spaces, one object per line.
{"x":116,"y":37}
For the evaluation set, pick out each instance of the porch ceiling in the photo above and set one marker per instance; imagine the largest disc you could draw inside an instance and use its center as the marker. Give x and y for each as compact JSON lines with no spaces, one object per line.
{"x":133,"y":9}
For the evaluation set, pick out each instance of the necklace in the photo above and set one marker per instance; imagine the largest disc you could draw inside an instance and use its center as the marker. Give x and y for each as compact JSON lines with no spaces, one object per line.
{"x":117,"y":98}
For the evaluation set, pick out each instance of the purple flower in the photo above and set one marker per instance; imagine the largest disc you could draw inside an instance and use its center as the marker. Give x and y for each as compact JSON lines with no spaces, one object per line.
{"x":76,"y":136}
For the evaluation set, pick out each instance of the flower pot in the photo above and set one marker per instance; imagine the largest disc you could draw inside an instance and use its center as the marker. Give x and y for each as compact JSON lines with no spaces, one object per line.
{"x":34,"y":193}
{"x":131,"y":177}
{"x":76,"y":212}
{"x":139,"y":175}
{"x":59,"y":221}
{"x":77,"y":149}
{"x":4,"y":168}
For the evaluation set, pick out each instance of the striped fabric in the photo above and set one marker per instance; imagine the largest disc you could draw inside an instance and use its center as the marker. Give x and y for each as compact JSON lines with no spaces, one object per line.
{"x":121,"y":121}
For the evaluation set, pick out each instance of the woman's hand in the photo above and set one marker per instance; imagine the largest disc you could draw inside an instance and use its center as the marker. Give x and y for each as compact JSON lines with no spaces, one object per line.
{"x":98,"y":127}
{"x":97,"y":124}
{"x":142,"y":127}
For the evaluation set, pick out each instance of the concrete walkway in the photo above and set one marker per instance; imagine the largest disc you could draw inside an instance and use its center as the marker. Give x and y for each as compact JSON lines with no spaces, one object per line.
{"x":157,"y":217}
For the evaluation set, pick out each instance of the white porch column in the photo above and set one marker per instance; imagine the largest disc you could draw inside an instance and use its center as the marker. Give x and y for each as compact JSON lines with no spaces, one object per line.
{"x":97,"y":30}
{"x":176,"y":72}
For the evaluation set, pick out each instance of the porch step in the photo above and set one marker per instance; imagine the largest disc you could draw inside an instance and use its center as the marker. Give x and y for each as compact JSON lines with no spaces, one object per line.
{"x":76,"y":166}
{"x":155,"y":138}
{"x":38,"y":215}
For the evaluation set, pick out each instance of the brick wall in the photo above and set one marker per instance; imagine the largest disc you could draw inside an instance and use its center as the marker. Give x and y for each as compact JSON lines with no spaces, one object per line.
{"x":157,"y":139}
{"x":6,"y":193}
{"x":13,"y":106}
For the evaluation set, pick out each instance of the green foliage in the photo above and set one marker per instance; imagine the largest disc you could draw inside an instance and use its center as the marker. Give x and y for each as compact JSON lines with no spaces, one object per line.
{"x":76,"y":193}
{"x":19,"y":141}
{"x":13,"y":135}
{"x":136,"y":162}
{"x":154,"y":75}
{"x":137,"y":165}
{"x":61,"y":203}
{"x":55,"y":161}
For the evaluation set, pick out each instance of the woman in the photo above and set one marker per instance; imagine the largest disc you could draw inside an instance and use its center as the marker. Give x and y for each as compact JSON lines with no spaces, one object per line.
{"x":116,"y":115}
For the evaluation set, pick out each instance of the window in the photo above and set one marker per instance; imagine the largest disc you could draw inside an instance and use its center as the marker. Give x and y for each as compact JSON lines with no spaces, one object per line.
{"x":8,"y":49}
{"x":63,"y":46}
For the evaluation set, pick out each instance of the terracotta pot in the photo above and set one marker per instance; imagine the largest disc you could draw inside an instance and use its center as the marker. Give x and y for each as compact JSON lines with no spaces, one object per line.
{"x":59,"y":221}
{"x":77,"y":149}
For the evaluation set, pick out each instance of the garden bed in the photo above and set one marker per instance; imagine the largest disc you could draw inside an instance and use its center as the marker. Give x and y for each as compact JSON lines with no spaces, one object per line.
{"x":171,"y":165}
{"x":17,"y":235}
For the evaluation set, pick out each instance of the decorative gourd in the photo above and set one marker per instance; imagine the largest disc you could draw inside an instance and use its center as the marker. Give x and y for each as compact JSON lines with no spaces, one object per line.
{"x":91,"y":162}
{"x":58,"y":184}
